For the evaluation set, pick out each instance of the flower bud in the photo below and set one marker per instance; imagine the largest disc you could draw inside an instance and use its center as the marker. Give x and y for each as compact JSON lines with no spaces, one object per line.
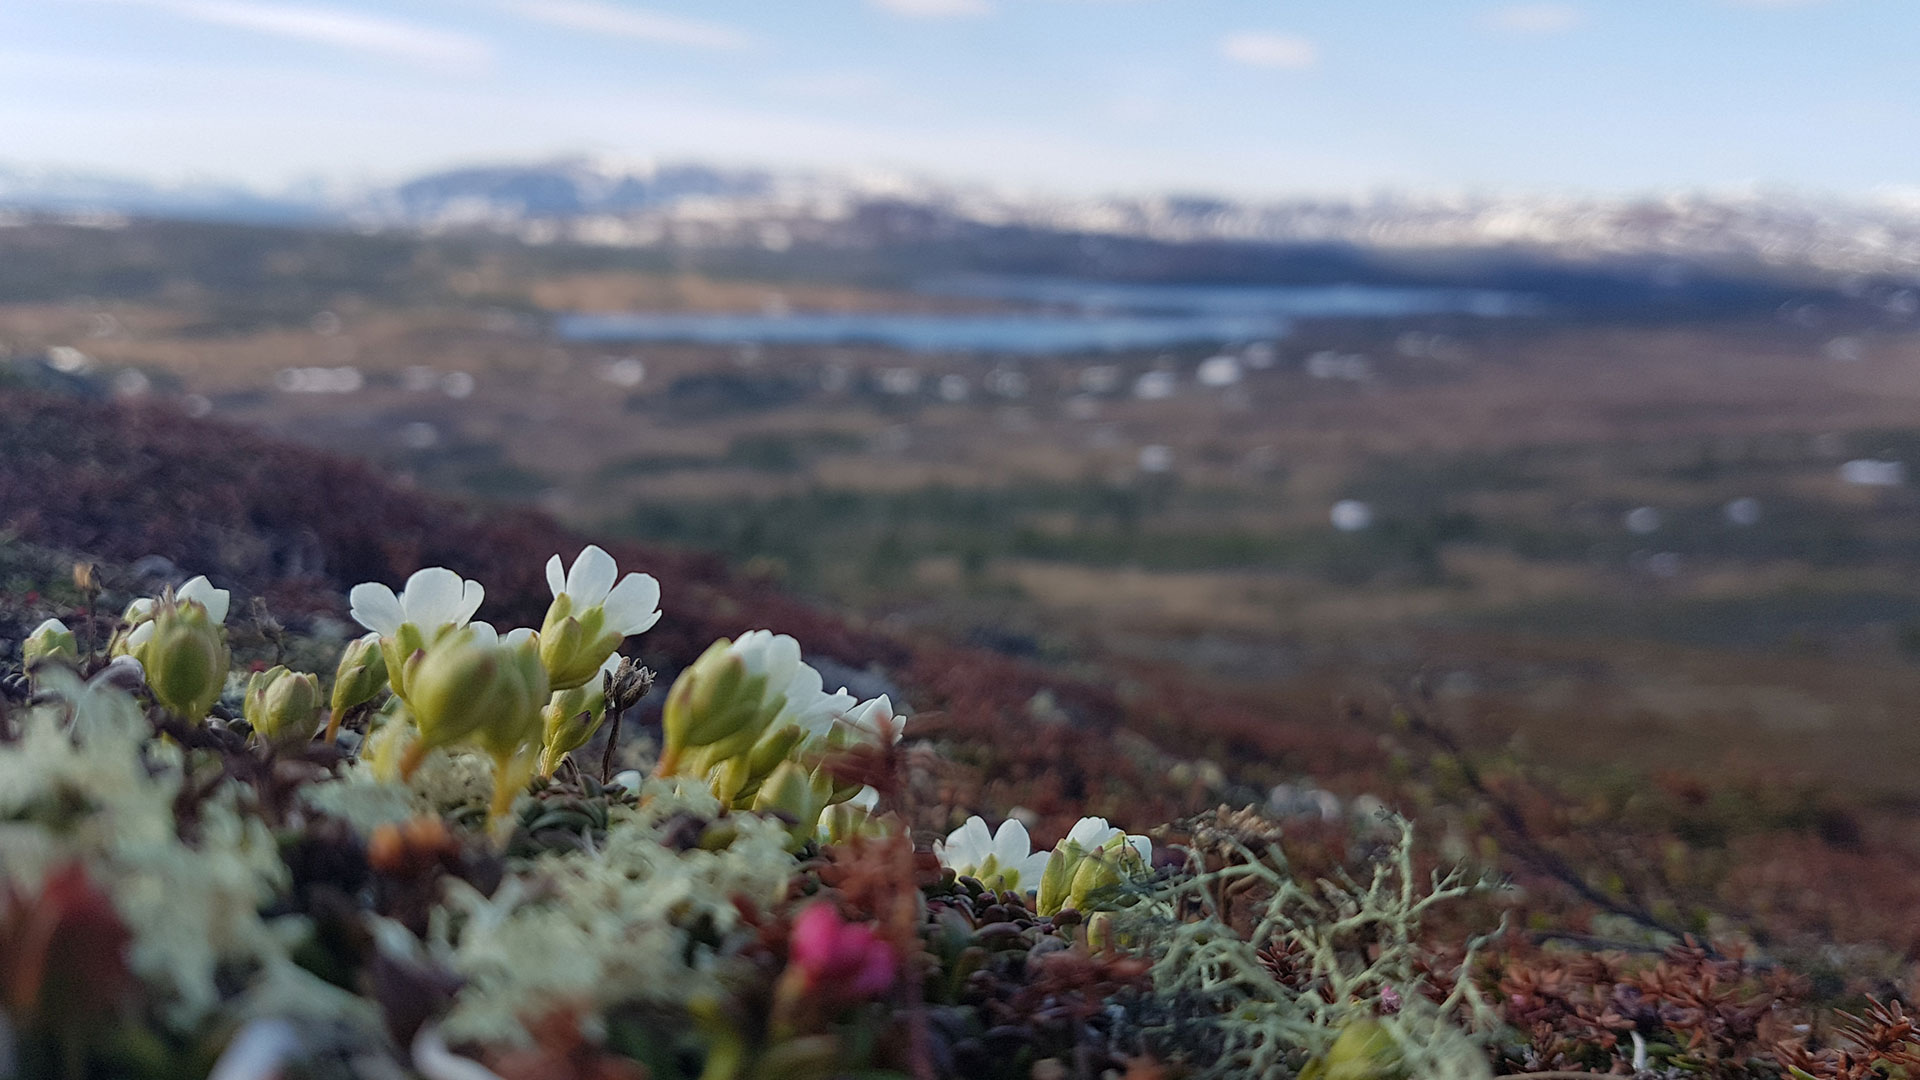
{"x":283,"y":706}
{"x":569,"y":719}
{"x":1100,"y":932}
{"x":1092,"y":860}
{"x":473,"y":686}
{"x":50,"y":641}
{"x":843,"y":821}
{"x":400,"y":652}
{"x":361,"y":674}
{"x":184,"y":652}
{"x":792,"y":792}
{"x":1364,"y":1050}
{"x":1095,"y":875}
{"x":716,"y":703}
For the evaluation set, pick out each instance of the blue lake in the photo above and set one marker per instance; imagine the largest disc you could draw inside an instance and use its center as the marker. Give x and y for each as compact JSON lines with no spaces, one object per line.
{"x":1067,"y":316}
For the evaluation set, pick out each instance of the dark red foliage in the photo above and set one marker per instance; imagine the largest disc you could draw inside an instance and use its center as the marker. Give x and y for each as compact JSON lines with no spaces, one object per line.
{"x":63,"y":954}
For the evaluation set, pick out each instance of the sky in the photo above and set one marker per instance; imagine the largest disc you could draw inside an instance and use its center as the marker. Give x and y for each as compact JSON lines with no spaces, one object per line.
{"x":1245,"y":98}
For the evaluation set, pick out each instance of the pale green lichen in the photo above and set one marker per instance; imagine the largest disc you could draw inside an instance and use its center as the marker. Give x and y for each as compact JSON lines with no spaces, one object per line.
{"x":107,"y":801}
{"x":1355,"y":946}
{"x":634,"y":921}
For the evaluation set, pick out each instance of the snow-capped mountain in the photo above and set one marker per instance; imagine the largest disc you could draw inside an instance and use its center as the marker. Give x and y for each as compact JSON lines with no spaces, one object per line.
{"x":615,"y":203}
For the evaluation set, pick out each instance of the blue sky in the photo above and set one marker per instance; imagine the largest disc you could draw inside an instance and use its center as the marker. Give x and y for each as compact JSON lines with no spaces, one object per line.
{"x":1238,"y":97}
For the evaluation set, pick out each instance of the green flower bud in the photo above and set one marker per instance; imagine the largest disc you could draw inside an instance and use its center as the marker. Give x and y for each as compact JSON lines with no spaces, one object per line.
{"x":472,"y":686}
{"x":50,"y":641}
{"x":1095,"y":874}
{"x":361,"y":675}
{"x":283,"y":706}
{"x":1093,"y":859}
{"x":401,"y":650}
{"x":569,"y":719}
{"x":184,"y":652}
{"x":790,"y":791}
{"x":1364,"y":1050}
{"x":774,"y":746}
{"x":573,"y":648}
{"x":843,"y":821}
{"x":717,"y":702}
{"x":1100,"y":932}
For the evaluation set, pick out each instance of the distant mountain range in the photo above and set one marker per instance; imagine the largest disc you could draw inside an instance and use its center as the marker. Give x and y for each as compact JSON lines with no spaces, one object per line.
{"x":595,"y":202}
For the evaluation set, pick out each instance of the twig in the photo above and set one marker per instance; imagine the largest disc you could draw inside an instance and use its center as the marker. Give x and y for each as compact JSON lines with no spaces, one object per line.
{"x":606,"y":756}
{"x":1528,"y":849}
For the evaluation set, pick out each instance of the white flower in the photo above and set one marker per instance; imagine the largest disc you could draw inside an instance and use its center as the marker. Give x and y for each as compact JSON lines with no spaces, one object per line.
{"x":433,"y":598}
{"x":629,"y":608}
{"x":197,"y":589}
{"x":809,"y":706}
{"x":202,"y":592}
{"x":777,"y":656}
{"x":867,"y":717}
{"x":103,"y":706}
{"x":1092,"y":833}
{"x":54,"y":626}
{"x":1000,"y":860}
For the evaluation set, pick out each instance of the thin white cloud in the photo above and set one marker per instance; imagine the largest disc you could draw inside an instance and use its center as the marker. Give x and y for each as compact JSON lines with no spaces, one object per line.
{"x":1539,"y":19}
{"x":1776,"y":4}
{"x":934,"y":9}
{"x":334,"y":27}
{"x":637,"y":24}
{"x":1257,"y":48}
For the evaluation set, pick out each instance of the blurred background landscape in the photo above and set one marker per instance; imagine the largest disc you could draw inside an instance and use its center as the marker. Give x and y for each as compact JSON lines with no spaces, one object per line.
{"x":1559,"y":360}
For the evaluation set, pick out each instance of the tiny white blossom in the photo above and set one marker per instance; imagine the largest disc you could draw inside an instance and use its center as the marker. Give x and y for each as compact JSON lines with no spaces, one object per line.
{"x":433,"y":598}
{"x":202,"y":592}
{"x":1094,"y":832}
{"x":630,"y":607}
{"x":868,"y":716}
{"x":1000,"y":860}
{"x":809,"y":705}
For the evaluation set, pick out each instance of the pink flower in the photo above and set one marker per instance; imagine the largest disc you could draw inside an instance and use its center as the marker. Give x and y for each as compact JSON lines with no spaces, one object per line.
{"x":844,"y":959}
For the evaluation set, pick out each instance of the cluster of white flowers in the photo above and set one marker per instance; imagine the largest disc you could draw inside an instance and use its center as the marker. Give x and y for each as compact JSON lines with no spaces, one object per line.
{"x":1005,"y":859}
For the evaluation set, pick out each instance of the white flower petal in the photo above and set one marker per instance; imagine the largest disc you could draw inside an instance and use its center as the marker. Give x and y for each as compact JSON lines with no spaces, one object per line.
{"x":634,"y":605}
{"x":1144,"y":846}
{"x":433,"y":598}
{"x":967,"y":847}
{"x":591,"y":577}
{"x":139,"y":609}
{"x":1030,"y":869}
{"x":471,"y":594}
{"x":374,"y":606}
{"x":54,"y":625}
{"x":782,"y":659}
{"x":484,"y":633}
{"x":1091,"y":832}
{"x":1011,"y":844}
{"x":866,"y":798}
{"x":556,"y":576}
{"x":140,"y":635}
{"x":868,"y":715}
{"x":518,"y":636}
{"x":202,"y":592}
